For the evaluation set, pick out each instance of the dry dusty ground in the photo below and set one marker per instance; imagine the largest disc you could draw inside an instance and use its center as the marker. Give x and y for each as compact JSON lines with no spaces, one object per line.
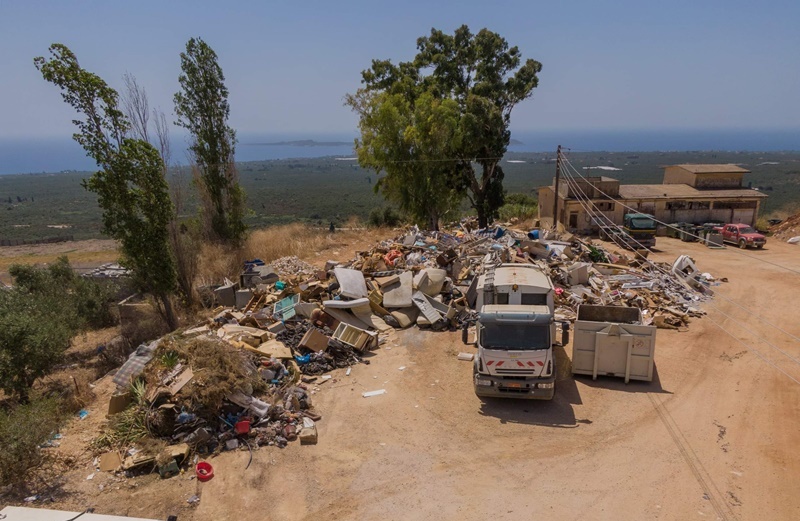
{"x":714,"y":436}
{"x":82,"y":254}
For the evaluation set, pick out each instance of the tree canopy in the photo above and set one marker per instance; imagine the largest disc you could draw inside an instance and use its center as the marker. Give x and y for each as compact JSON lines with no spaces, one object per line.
{"x":406,"y":140}
{"x":130,"y":184}
{"x":485,"y":78}
{"x":202,"y":108}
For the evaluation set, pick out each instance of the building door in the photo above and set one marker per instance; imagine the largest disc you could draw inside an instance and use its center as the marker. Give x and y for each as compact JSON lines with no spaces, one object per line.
{"x":573,"y":220}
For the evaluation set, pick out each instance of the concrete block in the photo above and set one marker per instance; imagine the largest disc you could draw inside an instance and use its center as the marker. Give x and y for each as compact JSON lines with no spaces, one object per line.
{"x":226,"y":295}
{"x":243,"y":296}
{"x":308,"y":435}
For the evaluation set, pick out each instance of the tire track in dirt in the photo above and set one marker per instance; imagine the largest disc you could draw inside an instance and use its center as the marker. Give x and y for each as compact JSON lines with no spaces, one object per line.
{"x":710,"y":489}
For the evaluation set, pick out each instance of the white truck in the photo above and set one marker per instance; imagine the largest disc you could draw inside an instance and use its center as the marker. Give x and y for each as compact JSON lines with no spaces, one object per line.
{"x":515,"y":332}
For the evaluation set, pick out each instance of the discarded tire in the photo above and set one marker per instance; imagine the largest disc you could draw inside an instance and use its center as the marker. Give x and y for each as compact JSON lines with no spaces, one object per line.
{"x":204,"y":471}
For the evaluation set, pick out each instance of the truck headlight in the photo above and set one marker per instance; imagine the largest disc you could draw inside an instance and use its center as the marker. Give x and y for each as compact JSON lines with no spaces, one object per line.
{"x":547,"y":386}
{"x":482,"y":382}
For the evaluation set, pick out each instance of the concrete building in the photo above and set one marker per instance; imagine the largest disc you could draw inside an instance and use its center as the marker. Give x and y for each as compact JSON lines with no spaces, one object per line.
{"x":689,"y":193}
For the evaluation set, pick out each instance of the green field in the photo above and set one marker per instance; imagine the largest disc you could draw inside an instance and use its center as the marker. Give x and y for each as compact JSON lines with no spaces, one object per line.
{"x":320,"y":190}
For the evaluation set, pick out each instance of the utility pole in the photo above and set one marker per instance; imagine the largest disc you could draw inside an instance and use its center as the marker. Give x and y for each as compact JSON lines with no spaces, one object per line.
{"x":558,"y":178}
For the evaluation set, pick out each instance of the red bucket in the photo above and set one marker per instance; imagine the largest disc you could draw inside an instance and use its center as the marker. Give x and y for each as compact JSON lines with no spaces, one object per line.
{"x":204,"y":471}
{"x":242,"y":427}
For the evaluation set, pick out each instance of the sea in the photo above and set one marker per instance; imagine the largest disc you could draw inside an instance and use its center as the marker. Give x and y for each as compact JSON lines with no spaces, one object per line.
{"x":62,"y":154}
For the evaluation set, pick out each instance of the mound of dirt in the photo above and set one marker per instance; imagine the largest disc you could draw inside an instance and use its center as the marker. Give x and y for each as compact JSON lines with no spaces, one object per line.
{"x":787,"y":229}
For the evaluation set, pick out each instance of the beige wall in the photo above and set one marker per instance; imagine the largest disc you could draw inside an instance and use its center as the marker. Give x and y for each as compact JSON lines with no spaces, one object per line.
{"x":704,"y":215}
{"x":574,"y":217}
{"x":674,"y":175}
{"x":546,"y":201}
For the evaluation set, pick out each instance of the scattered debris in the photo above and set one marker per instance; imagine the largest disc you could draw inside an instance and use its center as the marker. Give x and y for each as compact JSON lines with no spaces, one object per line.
{"x":244,"y":378}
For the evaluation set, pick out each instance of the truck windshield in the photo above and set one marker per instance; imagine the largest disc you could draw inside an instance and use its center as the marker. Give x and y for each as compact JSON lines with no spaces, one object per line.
{"x":746,"y":229}
{"x":642,"y":223}
{"x":512,"y":337}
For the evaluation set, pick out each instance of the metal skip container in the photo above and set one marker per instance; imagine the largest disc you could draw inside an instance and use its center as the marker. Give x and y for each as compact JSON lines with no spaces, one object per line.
{"x":611,"y":341}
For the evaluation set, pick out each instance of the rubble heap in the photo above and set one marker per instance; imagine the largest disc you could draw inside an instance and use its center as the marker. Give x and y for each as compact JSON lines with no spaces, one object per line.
{"x":246,"y":377}
{"x":788,"y":229}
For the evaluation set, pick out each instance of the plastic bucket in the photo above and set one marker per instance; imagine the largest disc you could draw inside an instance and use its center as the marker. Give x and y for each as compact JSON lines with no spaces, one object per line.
{"x":242,"y":427}
{"x":204,"y":471}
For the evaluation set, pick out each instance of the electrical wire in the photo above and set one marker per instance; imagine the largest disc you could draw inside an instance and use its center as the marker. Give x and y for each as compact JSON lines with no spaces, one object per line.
{"x":751,"y":312}
{"x":566,"y":161}
{"x":570,"y":179}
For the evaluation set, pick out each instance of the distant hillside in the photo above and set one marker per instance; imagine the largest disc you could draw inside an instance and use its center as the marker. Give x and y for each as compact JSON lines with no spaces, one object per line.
{"x":305,"y":143}
{"x":321,"y":190}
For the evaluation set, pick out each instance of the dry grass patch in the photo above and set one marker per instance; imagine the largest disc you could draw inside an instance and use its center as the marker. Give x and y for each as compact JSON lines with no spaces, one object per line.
{"x":269,"y":244}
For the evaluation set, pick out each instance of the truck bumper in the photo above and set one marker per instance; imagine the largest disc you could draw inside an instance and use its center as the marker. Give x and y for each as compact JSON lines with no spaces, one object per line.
{"x":534,"y":389}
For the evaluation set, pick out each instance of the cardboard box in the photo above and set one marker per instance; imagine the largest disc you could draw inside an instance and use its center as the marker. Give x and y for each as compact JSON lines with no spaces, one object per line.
{"x":315,"y":340}
{"x":118,"y":403}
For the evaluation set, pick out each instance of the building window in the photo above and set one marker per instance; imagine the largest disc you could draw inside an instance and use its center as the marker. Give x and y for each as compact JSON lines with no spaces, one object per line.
{"x":676,"y":205}
{"x":700,"y":205}
{"x":729,"y":205}
{"x":605,"y":206}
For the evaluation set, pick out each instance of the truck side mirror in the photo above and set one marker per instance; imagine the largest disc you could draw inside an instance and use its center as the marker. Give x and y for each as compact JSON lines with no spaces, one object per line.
{"x":564,"y":333}
{"x":465,"y":335}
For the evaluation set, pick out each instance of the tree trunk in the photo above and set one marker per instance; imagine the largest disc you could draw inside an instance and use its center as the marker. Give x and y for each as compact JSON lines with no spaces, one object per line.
{"x":433,"y":222}
{"x":480,"y":208}
{"x":483,"y":221}
{"x":169,"y":312}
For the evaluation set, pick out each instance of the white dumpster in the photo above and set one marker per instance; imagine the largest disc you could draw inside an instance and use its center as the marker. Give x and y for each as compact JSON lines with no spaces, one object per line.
{"x":611,"y":341}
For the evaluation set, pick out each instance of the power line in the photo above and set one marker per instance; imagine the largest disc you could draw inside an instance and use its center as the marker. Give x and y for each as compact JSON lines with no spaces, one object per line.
{"x":795,"y":337}
{"x":670,"y":226}
{"x":570,"y":179}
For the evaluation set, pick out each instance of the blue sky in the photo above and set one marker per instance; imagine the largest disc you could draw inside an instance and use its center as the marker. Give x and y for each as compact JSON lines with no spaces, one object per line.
{"x":630,"y":65}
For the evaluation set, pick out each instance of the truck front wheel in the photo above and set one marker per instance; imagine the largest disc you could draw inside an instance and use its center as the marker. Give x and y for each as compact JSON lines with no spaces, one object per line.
{"x":743,"y":244}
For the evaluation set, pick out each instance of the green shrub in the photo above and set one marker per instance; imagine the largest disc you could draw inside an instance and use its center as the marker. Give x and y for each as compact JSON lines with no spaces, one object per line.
{"x":518,"y":211}
{"x":39,"y":316}
{"x":22,"y":430}
{"x":519,"y":206}
{"x":520,"y":199}
{"x":386,"y":216}
{"x":35,"y":331}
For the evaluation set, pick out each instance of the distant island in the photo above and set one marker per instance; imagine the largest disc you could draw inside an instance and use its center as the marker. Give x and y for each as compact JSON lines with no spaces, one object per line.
{"x":305,"y":143}
{"x":312,"y":143}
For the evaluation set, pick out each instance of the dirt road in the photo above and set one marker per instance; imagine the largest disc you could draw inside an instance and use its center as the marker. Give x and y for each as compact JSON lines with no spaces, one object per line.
{"x":714,"y":436}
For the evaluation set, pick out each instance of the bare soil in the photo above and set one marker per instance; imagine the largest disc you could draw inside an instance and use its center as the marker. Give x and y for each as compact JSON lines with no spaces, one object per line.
{"x":714,"y":436}
{"x":82,"y":254}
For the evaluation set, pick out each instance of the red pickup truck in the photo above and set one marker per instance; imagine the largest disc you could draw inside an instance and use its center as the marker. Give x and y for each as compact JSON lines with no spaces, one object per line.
{"x":741,"y":234}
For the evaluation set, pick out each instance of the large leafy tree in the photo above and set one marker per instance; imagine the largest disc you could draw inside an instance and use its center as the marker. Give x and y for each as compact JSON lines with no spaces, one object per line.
{"x":487,"y":79}
{"x":130,"y":184}
{"x":202,"y":108}
{"x":405,"y":140}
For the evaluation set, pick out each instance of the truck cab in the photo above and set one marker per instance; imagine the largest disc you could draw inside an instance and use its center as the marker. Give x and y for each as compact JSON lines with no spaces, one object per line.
{"x":742,"y":235}
{"x":641,"y":228}
{"x":515,"y":332}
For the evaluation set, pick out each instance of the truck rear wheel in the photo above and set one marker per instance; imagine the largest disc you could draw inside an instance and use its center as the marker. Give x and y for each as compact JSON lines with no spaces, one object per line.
{"x":743,"y":244}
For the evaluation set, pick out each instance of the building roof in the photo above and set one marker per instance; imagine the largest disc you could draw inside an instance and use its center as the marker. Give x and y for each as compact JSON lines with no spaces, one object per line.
{"x":680,"y":191}
{"x":712,"y":169}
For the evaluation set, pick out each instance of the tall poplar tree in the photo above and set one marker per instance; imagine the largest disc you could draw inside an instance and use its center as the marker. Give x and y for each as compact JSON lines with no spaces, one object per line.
{"x":202,"y":108}
{"x":130,"y":184}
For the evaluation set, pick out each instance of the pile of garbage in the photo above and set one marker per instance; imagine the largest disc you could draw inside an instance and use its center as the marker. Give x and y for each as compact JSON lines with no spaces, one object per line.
{"x":787,"y":230}
{"x":246,"y":377}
